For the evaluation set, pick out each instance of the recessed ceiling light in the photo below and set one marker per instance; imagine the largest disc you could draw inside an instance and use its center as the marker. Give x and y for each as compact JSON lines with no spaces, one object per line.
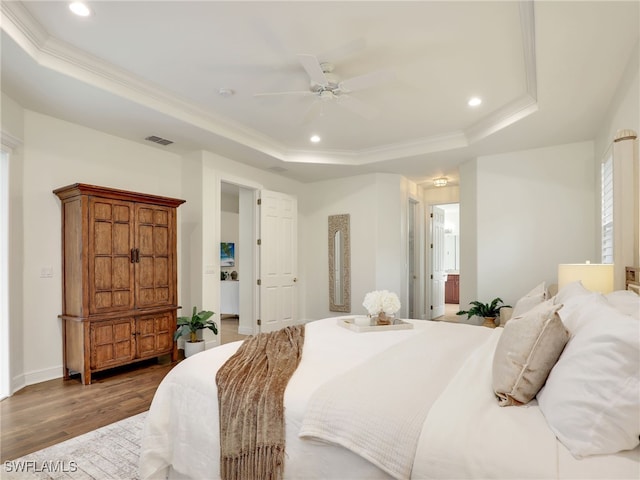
{"x":315,"y":138}
{"x":226,"y":92}
{"x":474,"y":101}
{"x":80,"y":9}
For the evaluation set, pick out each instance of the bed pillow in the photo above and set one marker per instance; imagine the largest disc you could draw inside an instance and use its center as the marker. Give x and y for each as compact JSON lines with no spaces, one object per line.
{"x":526,"y":351}
{"x":625,"y":302}
{"x":591,"y":399}
{"x":530,"y":300}
{"x":571,"y":292}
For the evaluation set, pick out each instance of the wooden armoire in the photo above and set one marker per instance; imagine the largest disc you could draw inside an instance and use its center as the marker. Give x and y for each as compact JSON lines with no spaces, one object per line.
{"x":119,"y":279}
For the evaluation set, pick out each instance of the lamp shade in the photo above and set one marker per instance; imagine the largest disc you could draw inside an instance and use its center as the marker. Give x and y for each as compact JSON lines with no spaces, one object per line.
{"x":597,"y":277}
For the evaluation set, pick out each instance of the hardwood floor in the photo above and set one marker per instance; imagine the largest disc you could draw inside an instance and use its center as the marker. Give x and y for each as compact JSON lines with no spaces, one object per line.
{"x":51,"y":412}
{"x":47,"y":413}
{"x":229,"y":329}
{"x":450,"y":310}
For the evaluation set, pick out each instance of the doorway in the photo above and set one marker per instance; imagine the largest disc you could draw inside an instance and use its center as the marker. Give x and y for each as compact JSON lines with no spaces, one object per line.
{"x":236,"y":262}
{"x":451,"y":253}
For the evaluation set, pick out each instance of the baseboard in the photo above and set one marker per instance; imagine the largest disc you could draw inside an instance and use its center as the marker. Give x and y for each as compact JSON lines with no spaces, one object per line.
{"x":31,"y":378}
{"x":43,"y":375}
{"x":17,"y":384}
{"x":245,"y":330}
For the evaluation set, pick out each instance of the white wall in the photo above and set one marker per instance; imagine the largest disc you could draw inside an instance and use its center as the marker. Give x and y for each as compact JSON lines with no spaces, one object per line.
{"x":377,"y":205}
{"x":624,"y":110}
{"x":13,"y":133}
{"x":531,"y":211}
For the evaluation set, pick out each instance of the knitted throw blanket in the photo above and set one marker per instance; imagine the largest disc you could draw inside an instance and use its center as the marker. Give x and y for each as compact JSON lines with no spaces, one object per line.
{"x":251,"y":388}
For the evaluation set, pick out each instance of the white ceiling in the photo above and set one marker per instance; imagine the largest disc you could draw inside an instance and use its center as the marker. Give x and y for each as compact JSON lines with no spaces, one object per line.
{"x":546,"y":72}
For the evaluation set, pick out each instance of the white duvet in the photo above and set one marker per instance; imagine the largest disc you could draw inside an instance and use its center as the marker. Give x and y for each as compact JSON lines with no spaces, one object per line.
{"x":457,"y":431}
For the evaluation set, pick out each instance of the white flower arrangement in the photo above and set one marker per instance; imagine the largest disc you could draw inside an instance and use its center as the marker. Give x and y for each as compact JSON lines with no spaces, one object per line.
{"x":381,"y":301}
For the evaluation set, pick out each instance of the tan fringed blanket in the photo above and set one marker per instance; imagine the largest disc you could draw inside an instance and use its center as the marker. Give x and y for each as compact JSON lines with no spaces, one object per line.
{"x":251,"y":388}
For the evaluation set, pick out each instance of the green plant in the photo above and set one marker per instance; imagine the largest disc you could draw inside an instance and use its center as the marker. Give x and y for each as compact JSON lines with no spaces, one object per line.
{"x":486,"y":310}
{"x":197,"y":321}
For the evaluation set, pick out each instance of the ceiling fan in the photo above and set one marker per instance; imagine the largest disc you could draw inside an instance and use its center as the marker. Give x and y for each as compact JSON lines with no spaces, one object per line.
{"x":325,"y":85}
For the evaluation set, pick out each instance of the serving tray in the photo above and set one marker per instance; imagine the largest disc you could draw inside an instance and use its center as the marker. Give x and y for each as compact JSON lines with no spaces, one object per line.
{"x":350,"y":323}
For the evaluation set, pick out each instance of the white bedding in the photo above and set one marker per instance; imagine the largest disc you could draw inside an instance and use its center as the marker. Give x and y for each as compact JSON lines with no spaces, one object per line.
{"x":465,"y":433}
{"x":366,"y":409}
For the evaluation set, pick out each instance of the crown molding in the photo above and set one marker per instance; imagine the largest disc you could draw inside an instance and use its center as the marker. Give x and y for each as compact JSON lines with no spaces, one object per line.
{"x":9,"y":141}
{"x":56,"y":55}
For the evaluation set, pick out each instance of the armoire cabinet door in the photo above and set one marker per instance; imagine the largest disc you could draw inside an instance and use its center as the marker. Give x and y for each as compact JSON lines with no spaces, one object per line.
{"x":154,"y":263}
{"x":111,"y":270}
{"x":155,"y":334}
{"x":112,"y":342}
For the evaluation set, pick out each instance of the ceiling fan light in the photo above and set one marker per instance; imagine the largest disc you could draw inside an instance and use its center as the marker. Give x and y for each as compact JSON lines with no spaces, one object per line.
{"x":440,"y":182}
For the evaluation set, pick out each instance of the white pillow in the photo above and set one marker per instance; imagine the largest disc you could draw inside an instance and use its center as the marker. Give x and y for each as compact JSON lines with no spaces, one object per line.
{"x":626,"y":302}
{"x":571,"y":291}
{"x":530,"y":300}
{"x":526,"y":351}
{"x":591,"y":399}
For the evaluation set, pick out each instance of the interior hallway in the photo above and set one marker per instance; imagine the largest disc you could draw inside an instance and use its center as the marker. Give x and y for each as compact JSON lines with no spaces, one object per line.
{"x":450,"y":310}
{"x":229,"y":329}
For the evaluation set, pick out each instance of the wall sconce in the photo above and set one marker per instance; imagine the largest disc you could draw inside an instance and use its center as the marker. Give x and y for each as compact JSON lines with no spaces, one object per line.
{"x":597,"y":277}
{"x":440,"y":182}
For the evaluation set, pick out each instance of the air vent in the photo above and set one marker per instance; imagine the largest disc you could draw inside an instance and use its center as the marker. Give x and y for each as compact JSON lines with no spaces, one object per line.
{"x":159,"y":140}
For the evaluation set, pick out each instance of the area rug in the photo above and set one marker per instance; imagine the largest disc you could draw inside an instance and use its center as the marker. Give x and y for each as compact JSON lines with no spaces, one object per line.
{"x":110,"y":452}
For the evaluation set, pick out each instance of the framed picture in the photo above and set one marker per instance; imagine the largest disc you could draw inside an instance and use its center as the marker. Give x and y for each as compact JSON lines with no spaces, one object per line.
{"x":227,"y":254}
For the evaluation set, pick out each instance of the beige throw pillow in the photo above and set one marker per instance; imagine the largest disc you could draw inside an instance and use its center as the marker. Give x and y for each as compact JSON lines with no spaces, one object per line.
{"x":526,"y":352}
{"x":532,"y":299}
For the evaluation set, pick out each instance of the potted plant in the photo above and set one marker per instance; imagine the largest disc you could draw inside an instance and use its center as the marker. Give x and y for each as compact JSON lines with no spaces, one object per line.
{"x":191,"y":325}
{"x":488,"y":311}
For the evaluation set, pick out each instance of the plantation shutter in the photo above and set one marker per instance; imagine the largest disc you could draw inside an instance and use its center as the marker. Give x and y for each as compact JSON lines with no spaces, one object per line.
{"x":607,"y":209}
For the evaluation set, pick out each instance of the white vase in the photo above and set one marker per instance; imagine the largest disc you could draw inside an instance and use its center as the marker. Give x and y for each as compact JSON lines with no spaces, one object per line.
{"x":191,"y":348}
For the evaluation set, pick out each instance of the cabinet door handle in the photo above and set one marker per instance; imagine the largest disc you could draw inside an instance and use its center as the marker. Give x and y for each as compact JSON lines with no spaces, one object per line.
{"x":133,"y":255}
{"x":137,"y":255}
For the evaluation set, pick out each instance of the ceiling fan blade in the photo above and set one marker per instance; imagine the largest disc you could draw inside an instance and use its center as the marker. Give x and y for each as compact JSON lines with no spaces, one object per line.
{"x":365,"y":81}
{"x":313,"y":69}
{"x":357,"y":106}
{"x":270,"y":94}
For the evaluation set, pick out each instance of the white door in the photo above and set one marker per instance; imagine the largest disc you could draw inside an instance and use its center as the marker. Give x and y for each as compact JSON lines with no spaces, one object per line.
{"x":438,"y":275}
{"x":278,"y":260}
{"x":414,"y":271}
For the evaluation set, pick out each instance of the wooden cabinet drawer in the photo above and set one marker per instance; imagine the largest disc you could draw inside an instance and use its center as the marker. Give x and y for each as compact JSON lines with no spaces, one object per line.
{"x":112,"y":342}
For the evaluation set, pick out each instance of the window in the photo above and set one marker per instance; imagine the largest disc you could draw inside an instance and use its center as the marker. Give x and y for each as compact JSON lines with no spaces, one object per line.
{"x":606,"y":179}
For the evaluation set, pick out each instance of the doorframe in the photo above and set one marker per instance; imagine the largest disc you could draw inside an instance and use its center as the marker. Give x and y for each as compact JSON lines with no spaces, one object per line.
{"x":419,"y":297}
{"x":427,"y":229}
{"x":5,"y":329}
{"x":249,"y":307}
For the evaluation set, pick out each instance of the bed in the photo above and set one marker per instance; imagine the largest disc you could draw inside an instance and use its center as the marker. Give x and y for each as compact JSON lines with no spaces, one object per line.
{"x":420,"y":403}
